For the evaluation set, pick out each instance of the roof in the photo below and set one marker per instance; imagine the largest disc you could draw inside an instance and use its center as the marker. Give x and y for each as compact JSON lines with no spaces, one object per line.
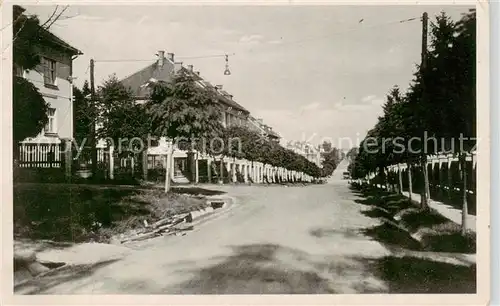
{"x":273,"y":133}
{"x":48,"y":36}
{"x":59,"y":42}
{"x":137,"y":80}
{"x":233,"y":104}
{"x":265,"y":128}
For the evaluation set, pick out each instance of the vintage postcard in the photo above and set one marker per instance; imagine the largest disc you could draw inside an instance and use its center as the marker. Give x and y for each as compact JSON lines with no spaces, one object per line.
{"x":245,"y":153}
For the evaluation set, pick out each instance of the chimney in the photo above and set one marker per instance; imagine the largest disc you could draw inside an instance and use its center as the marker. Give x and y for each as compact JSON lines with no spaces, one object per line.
{"x":218,"y":87}
{"x":161,"y":58}
{"x":170,"y":57}
{"x":197,"y":72}
{"x":190,"y":67}
{"x":177,"y":66}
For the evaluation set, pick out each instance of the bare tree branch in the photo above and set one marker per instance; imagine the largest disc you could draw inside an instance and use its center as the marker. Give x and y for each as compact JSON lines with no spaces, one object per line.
{"x":50,"y":17}
{"x":57,"y":17}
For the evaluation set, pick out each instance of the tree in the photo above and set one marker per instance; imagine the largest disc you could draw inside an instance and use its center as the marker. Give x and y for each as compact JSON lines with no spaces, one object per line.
{"x":439,"y":104}
{"x":120,"y":117}
{"x":453,"y":58}
{"x":124,"y":123}
{"x":181,"y":108}
{"x":29,"y":110}
{"x":465,"y":45}
{"x":28,"y":105}
{"x":83,"y":113}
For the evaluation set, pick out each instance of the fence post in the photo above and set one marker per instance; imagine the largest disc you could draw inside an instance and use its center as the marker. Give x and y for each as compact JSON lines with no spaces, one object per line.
{"x":209,"y":170}
{"x":132,"y":164}
{"x":196,"y":168}
{"x":111,"y":162}
{"x":450,"y":180}
{"x":410,"y":187}
{"x":145,"y":160}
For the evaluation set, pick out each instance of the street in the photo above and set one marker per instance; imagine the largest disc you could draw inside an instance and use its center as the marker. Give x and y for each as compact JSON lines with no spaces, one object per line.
{"x":274,"y":240}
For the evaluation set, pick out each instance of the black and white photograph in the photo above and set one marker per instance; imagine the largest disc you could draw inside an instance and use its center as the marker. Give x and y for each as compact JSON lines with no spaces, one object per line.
{"x":170,"y":149}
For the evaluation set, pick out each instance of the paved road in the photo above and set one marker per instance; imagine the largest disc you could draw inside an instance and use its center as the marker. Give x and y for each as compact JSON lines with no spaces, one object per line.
{"x":275,"y":240}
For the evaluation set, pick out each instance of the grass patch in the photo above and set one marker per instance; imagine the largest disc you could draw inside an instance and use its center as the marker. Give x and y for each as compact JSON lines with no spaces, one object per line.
{"x":62,"y":212}
{"x":397,"y":205}
{"x":389,"y":234}
{"x":447,"y":237}
{"x":414,"y":275}
{"x":377,"y":212}
{"x":416,"y":220}
{"x":437,"y":232}
{"x":450,"y":243}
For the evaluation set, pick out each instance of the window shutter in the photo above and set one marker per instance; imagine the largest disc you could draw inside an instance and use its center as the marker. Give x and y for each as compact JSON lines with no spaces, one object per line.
{"x":45,"y":67}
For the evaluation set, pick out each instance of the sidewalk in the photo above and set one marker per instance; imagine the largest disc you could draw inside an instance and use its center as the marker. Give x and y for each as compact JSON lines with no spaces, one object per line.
{"x":446,"y":211}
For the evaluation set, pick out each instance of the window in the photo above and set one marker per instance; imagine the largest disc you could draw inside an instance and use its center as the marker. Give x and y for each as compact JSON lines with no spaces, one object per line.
{"x":49,"y":71}
{"x":224,"y":119}
{"x":51,"y":124}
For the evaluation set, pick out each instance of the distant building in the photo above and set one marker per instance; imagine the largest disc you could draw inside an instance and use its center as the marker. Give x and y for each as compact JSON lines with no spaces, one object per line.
{"x":309,"y":151}
{"x":264,"y":129}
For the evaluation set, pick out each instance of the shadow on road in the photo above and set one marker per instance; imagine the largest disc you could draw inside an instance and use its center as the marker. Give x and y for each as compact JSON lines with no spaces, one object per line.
{"x":274,"y":269}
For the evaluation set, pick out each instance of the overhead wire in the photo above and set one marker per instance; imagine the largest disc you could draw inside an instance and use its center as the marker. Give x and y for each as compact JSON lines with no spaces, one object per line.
{"x":275,"y":45}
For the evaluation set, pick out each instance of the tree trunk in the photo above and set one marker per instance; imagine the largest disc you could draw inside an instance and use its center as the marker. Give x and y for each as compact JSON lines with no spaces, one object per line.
{"x":170,"y":161}
{"x":423,"y":197}
{"x":387,"y":179}
{"x":410,"y":186}
{"x":144,"y":156}
{"x":400,"y":179}
{"x":251,"y":176}
{"x":450,"y":181}
{"x":426,"y":182}
{"x":221,"y":172}
{"x":463,"y":170}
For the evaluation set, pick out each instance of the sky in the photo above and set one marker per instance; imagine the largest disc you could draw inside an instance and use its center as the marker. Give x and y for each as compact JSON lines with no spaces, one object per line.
{"x":312,"y":73}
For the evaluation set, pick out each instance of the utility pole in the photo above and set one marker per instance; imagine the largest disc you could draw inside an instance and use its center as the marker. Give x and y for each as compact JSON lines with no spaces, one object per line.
{"x":426,"y":190}
{"x":93,"y":146}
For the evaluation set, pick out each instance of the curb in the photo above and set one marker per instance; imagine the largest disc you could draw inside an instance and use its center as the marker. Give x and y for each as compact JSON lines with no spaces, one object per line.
{"x":215,"y":203}
{"x":183,"y":222}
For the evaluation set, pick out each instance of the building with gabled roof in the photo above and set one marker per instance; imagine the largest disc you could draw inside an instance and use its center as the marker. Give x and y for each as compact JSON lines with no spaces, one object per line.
{"x":163,"y":70}
{"x":53,"y":77}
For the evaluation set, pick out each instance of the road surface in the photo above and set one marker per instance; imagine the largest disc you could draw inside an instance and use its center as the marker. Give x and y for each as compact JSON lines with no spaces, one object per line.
{"x":276,"y":239}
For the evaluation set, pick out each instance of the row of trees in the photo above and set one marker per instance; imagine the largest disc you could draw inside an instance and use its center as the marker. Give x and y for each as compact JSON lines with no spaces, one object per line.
{"x":440,"y":103}
{"x":255,"y":147}
{"x":178,"y":109}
